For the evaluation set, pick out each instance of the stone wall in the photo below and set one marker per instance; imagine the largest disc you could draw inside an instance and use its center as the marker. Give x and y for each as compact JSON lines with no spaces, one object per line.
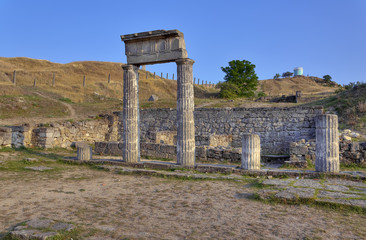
{"x":349,"y":152}
{"x":61,"y":134}
{"x":276,"y":127}
{"x":164,"y":151}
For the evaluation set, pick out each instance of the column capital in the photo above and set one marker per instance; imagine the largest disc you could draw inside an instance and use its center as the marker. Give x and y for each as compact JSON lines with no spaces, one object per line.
{"x":127,"y":67}
{"x":182,"y":61}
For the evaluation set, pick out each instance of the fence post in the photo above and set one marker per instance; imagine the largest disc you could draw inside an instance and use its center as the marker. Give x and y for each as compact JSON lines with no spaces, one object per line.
{"x":84,"y":81}
{"x":35,"y":82}
{"x":173,"y":76}
{"x":167,"y":76}
{"x":53,"y":79}
{"x":154,"y":75}
{"x":15,"y":77}
{"x":109,"y":78}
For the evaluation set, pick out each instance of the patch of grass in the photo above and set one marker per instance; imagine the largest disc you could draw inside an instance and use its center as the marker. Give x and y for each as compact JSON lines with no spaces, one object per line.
{"x":7,"y":149}
{"x":352,"y":167}
{"x":157,"y":158}
{"x":313,"y":203}
{"x":65,"y":99}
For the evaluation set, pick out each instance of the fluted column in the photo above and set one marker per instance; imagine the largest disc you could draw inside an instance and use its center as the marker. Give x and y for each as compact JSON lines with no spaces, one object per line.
{"x":185,"y":108}
{"x":251,"y":152}
{"x":84,"y":152}
{"x":130,"y":115}
{"x":327,"y":143}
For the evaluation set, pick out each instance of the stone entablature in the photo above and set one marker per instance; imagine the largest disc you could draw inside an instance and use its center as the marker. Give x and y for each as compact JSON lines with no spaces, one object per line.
{"x":153,"y":47}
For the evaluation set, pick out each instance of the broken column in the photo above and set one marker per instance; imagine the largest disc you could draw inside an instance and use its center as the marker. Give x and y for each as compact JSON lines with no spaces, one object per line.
{"x":185,"y":108}
{"x":251,"y":152}
{"x":130,"y":135}
{"x":84,"y":151}
{"x":327,"y":143}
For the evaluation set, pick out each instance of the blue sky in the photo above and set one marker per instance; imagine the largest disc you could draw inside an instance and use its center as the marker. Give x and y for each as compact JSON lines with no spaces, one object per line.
{"x":323,"y":37}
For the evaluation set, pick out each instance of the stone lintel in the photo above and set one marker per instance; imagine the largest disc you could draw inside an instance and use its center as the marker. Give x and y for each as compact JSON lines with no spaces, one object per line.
{"x":153,"y":47}
{"x":142,"y":36}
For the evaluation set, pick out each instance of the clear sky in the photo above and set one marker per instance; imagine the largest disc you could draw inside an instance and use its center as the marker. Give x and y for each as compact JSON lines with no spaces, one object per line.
{"x":322,"y":36}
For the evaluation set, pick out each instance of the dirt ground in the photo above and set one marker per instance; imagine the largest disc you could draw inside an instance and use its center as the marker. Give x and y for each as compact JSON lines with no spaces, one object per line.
{"x":111,"y":206}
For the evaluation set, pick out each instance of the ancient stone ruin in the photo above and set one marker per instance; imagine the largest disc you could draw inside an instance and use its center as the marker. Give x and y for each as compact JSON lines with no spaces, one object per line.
{"x":154,"y":47}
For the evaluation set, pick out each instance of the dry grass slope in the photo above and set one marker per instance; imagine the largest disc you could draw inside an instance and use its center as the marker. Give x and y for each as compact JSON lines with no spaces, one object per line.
{"x":288,"y":86}
{"x":69,"y":79}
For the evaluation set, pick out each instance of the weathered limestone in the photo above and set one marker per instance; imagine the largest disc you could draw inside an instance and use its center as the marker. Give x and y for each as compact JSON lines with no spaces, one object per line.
{"x":5,"y":137}
{"x":185,"y":108}
{"x":251,"y":152}
{"x":131,"y":138}
{"x":84,"y":151}
{"x":152,"y":47}
{"x":327,"y":146}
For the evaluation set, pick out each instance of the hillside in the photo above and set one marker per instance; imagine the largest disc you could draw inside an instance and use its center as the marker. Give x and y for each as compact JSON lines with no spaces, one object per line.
{"x":289,"y":86}
{"x":68,"y":96}
{"x":68,"y":99}
{"x":349,"y":105}
{"x":69,"y":79}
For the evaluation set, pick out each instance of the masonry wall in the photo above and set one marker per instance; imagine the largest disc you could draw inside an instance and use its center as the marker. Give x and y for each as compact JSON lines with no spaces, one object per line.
{"x":276,"y":127}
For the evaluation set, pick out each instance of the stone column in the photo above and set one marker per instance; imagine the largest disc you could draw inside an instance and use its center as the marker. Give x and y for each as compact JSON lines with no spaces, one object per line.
{"x":84,"y":151}
{"x":130,"y":116}
{"x":185,"y":108}
{"x":327,"y":143}
{"x":251,"y":152}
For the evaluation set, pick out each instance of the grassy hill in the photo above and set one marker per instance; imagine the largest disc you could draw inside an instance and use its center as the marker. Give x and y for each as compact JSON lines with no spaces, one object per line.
{"x":98,"y":96}
{"x":69,"y":99}
{"x":289,"y":86}
{"x":349,"y":105}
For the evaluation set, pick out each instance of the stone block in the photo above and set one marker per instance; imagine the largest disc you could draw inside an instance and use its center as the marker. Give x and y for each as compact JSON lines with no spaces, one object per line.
{"x":84,"y":152}
{"x":152,"y":47}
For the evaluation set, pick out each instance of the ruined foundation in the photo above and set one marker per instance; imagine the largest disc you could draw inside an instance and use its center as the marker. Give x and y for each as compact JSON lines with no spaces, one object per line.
{"x":251,"y":152}
{"x":327,"y":143}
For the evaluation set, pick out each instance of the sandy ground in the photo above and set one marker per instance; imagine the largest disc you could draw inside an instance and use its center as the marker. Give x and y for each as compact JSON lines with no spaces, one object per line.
{"x":111,"y":206}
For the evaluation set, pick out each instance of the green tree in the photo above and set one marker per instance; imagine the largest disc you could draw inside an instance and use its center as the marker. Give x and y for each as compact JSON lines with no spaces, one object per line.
{"x":277,"y":76}
{"x":327,"y":78}
{"x":240,"y":80}
{"x":287,"y":74}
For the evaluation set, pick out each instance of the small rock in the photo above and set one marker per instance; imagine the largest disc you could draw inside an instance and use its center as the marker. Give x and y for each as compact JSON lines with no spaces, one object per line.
{"x":153,"y":98}
{"x":63,"y":226}
{"x":40,"y":168}
{"x":347,"y":138}
{"x":269,"y":177}
{"x":355,"y":135}
{"x":347,"y":131}
{"x":39,"y":223}
{"x":44,"y":235}
{"x":31,"y":159}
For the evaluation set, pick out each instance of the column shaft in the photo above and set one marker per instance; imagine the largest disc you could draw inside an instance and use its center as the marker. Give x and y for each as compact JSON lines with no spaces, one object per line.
{"x":185,"y":109}
{"x":327,"y":143}
{"x":130,"y":115}
{"x":251,"y":152}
